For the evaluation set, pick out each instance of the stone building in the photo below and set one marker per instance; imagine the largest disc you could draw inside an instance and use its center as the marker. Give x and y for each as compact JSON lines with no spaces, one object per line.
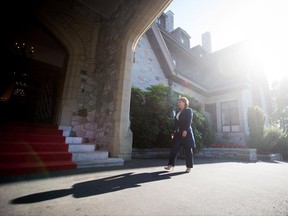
{"x":226,"y":82}
{"x":72,"y":65}
{"x":68,"y":63}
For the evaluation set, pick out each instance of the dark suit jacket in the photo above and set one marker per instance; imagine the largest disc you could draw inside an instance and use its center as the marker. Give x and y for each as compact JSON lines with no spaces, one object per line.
{"x":184,"y":124}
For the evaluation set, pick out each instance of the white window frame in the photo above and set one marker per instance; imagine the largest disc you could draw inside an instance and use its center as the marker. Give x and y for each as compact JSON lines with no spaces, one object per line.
{"x":230,"y":122}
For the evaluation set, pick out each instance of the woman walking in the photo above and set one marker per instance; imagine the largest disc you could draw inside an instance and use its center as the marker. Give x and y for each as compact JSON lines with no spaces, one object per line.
{"x":182,"y":135}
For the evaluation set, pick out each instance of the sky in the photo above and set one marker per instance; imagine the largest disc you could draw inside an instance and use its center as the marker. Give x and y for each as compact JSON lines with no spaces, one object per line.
{"x":264,"y":22}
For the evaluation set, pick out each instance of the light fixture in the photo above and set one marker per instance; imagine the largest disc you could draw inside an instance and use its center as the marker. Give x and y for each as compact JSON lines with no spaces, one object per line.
{"x":24,"y":49}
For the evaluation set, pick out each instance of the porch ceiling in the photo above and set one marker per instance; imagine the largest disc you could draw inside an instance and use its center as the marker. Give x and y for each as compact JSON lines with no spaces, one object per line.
{"x":103,"y":7}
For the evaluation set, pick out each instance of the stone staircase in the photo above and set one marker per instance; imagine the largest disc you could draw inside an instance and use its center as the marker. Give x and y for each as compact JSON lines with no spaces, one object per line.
{"x":85,"y":154}
{"x":27,"y":148}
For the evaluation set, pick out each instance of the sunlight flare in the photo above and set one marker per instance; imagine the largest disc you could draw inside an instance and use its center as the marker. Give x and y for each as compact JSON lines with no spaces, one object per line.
{"x":267,"y":31}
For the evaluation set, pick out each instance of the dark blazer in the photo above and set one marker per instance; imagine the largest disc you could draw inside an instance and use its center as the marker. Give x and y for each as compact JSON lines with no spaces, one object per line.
{"x":184,"y":124}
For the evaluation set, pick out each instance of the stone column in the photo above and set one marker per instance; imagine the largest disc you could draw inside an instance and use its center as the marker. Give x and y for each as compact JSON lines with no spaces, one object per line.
{"x":143,"y":16}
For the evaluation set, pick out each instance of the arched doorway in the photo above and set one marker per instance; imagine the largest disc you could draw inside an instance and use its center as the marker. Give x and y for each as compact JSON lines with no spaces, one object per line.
{"x":32,"y":82}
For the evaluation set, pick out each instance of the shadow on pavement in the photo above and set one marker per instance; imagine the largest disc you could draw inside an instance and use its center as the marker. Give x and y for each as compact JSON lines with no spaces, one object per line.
{"x":133,"y":164}
{"x":98,"y":186}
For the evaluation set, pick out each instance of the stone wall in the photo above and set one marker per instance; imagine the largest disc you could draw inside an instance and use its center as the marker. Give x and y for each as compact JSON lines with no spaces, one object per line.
{"x":94,"y":45}
{"x":87,"y":100}
{"x":235,"y":153}
{"x":146,"y":70}
{"x":96,"y":124}
{"x":151,"y":153}
{"x":231,"y":138}
{"x":218,"y":153}
{"x":223,"y":153}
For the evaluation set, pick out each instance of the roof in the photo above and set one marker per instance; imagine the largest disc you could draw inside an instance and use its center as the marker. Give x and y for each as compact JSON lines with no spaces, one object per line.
{"x":229,"y":65}
{"x":225,"y":70}
{"x":181,"y":30}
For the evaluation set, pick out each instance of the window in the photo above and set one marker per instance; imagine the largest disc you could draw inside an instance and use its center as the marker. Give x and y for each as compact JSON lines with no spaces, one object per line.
{"x":195,"y":75}
{"x":158,"y":21}
{"x":174,"y":61}
{"x":211,"y":109}
{"x":161,"y":21}
{"x":230,"y":117}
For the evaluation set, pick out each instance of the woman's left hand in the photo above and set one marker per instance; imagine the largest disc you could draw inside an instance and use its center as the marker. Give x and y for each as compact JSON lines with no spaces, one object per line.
{"x":184,"y":133}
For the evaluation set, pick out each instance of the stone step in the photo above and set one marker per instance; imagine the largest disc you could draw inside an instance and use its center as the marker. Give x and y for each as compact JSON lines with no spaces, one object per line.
{"x":84,"y":154}
{"x":102,"y":163}
{"x":63,"y":127}
{"x":89,"y":157}
{"x":66,"y":133}
{"x":73,"y":140}
{"x":76,"y":148}
{"x":66,"y":130}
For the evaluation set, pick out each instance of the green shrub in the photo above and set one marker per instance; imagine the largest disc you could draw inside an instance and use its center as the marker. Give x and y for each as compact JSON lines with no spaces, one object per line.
{"x":152,"y":120}
{"x":271,"y":138}
{"x":201,"y":129}
{"x":275,"y":140}
{"x":150,"y":114}
{"x":256,"y":121}
{"x":282,"y":146}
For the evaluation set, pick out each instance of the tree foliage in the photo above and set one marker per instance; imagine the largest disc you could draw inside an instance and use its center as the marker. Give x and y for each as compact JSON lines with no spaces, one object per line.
{"x":279,"y":114}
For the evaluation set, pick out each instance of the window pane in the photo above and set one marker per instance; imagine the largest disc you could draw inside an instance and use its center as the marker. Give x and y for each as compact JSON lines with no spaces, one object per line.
{"x":230,"y":116}
{"x":233,"y":104}
{"x":225,"y":105}
{"x":226,"y":129}
{"x":225,"y":117}
{"x":234,"y":116}
{"x":235,"y":128}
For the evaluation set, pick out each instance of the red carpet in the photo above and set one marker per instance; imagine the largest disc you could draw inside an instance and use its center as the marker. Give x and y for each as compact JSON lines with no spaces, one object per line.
{"x":27,"y":148}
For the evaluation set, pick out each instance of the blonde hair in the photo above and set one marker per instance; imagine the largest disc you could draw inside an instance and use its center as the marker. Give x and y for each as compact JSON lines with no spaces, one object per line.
{"x":185,"y":100}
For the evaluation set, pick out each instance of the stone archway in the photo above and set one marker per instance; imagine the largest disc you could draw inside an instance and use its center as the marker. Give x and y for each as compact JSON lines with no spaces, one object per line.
{"x":81,"y":55}
{"x":96,"y":92}
{"x":101,"y":65}
{"x":145,"y":13}
{"x":35,"y":67}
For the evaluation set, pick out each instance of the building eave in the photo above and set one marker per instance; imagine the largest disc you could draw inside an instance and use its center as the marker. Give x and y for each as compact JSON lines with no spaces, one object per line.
{"x":166,"y":35}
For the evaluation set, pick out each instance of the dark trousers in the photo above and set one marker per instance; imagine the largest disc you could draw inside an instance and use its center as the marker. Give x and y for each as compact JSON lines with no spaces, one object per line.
{"x":179,"y":141}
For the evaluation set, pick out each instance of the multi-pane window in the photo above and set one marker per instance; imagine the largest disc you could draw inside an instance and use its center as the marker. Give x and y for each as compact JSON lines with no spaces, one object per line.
{"x":211,"y":109}
{"x":161,"y":21}
{"x":230,"y":116}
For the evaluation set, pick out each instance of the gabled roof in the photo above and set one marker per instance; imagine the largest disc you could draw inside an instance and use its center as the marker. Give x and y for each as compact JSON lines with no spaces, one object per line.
{"x":180,"y":30}
{"x":229,"y":65}
{"x":161,"y":51}
{"x":168,"y":37}
{"x":222,"y":71}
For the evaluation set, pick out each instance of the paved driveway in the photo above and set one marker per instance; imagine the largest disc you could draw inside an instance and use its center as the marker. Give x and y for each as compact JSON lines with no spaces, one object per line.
{"x":142,"y":187}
